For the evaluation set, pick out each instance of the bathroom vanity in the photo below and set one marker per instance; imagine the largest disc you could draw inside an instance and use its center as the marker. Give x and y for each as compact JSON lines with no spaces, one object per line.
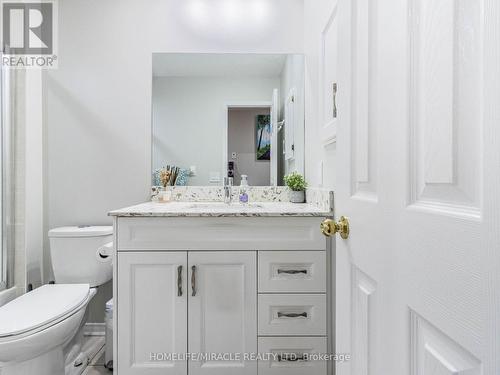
{"x":204,"y":287}
{"x":210,"y":288}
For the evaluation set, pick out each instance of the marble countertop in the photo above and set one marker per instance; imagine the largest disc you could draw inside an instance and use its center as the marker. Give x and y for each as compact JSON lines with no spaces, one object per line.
{"x":219,"y":209}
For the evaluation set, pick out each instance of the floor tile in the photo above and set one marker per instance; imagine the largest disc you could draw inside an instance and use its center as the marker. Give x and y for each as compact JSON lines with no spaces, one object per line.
{"x":98,"y":359}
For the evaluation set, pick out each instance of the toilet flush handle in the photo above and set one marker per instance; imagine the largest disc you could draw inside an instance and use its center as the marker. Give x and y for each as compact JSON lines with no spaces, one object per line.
{"x":105,"y":250}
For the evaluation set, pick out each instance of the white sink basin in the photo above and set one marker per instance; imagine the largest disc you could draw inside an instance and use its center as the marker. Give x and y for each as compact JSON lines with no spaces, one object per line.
{"x":223,"y":206}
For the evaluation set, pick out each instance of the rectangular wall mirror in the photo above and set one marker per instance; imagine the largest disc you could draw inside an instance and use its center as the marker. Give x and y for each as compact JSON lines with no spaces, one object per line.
{"x":217,"y":115}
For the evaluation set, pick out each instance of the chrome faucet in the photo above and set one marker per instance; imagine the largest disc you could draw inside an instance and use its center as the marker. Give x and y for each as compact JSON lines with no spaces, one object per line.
{"x":228,"y":190}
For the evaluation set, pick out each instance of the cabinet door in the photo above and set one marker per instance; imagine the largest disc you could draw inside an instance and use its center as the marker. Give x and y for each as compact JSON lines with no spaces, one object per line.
{"x":222,"y":311}
{"x":151,"y":312}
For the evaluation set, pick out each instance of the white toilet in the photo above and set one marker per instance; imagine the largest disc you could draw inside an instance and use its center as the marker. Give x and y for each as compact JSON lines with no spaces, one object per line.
{"x":41,"y":332}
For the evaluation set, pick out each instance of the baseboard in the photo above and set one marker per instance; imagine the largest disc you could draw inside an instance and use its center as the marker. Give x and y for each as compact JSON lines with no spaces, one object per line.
{"x":94,"y":329}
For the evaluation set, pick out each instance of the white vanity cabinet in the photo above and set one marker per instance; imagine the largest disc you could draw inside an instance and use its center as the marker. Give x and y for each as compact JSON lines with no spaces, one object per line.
{"x":152,"y":314}
{"x":216,"y":286}
{"x":222,"y":314}
{"x":154,"y":298}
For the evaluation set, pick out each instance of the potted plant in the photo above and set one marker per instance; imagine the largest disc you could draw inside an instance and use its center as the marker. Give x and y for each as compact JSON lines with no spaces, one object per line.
{"x":297,"y":184}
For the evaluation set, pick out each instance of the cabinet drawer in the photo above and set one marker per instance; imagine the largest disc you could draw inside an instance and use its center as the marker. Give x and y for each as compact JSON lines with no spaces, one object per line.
{"x":288,"y":355}
{"x":292,"y":271}
{"x":292,"y":315}
{"x":219,"y":233}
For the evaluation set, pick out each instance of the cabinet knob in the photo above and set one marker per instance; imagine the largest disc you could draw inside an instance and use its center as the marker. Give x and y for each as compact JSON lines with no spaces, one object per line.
{"x":292,"y":315}
{"x":291,"y":357}
{"x":292,"y":272}
{"x":193,"y":280}
{"x":179,"y":281}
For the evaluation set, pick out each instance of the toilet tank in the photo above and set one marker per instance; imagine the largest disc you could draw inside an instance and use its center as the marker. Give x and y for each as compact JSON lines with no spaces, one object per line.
{"x":74,"y":253}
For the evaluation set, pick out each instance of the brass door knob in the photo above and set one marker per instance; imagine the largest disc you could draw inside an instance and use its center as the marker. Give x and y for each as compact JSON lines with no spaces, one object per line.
{"x":329,"y":227}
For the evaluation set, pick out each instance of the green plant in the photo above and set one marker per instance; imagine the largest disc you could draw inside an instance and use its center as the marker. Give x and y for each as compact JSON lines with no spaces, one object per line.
{"x":295,"y":181}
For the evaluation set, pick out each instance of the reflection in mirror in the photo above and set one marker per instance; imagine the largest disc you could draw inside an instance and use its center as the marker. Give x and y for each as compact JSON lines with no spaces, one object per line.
{"x":217,"y":115}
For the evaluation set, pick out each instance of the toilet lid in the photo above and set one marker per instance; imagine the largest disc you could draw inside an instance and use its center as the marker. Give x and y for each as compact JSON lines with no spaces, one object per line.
{"x":41,"y":307}
{"x":82,"y":231}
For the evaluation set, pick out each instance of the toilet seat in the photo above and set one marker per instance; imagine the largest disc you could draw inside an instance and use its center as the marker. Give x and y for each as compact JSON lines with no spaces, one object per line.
{"x":41,"y":308}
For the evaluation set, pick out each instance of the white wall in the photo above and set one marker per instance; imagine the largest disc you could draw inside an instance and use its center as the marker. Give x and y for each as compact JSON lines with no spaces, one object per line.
{"x":189,"y":118}
{"x":316,"y":14}
{"x":97,"y":104}
{"x":242,"y":140}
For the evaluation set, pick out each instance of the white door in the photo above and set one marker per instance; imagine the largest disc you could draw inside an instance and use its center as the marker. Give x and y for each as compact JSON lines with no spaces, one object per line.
{"x":274,"y":138}
{"x":418,"y":175}
{"x":151,"y":313}
{"x":290,"y":118}
{"x":222,"y":310}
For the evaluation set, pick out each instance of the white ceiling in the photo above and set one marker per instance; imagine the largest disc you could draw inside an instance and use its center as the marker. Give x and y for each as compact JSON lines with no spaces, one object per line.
{"x":215,"y":65}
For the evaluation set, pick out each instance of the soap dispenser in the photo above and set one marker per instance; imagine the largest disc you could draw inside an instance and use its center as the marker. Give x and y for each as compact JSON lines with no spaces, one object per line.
{"x":243,"y":196}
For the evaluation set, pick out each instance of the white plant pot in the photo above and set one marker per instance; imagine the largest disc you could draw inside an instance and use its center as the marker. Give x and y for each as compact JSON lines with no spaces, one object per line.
{"x":297,"y":196}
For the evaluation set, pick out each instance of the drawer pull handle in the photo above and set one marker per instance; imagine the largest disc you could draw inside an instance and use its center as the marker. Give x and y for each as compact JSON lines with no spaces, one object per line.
{"x":292,"y":315}
{"x":193,"y":280}
{"x":179,"y":281}
{"x":291,"y":358}
{"x":292,"y":272}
